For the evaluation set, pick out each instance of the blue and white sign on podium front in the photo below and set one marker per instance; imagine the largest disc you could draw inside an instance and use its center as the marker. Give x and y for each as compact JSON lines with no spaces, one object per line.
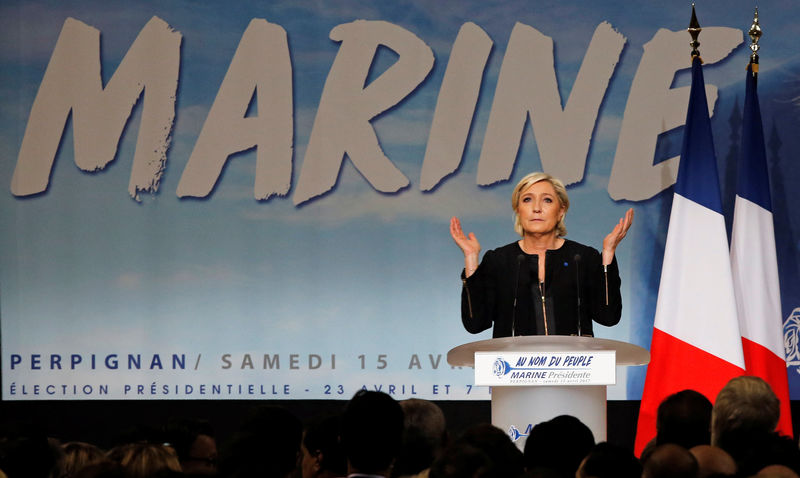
{"x":545,"y":368}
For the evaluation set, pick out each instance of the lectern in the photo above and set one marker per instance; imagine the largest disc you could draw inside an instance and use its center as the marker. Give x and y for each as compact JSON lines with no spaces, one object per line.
{"x":535,"y":378}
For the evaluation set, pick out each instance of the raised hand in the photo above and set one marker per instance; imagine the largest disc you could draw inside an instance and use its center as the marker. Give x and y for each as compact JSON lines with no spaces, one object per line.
{"x":468,"y":244}
{"x":616,"y":235}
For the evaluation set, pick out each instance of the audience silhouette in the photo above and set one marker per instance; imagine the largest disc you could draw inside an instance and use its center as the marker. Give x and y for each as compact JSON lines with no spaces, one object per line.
{"x":378,"y":437}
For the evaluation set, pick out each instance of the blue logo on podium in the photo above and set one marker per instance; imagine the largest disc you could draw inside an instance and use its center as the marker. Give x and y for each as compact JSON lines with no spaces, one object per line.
{"x":501,"y":367}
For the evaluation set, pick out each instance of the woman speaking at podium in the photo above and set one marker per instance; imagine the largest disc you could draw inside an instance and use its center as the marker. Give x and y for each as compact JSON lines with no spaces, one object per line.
{"x":542,"y":284}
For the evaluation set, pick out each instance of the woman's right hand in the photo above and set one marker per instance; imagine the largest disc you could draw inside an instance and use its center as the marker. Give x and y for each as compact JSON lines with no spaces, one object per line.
{"x":468,"y":244}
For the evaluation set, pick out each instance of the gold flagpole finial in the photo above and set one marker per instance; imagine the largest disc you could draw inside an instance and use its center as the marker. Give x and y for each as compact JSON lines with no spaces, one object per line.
{"x":694,"y":30}
{"x":755,"y":35}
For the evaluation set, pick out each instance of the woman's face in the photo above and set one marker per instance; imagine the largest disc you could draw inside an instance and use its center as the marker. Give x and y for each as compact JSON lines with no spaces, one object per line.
{"x":539,"y":209}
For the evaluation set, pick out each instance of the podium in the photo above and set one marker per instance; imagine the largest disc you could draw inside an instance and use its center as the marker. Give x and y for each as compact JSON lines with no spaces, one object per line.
{"x":517,"y":408}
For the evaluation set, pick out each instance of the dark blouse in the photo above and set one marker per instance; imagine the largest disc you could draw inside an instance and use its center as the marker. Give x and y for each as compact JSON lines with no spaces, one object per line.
{"x":506,"y":273}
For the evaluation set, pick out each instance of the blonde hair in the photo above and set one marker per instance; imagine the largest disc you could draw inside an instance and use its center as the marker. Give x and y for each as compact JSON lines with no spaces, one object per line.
{"x":78,"y":455}
{"x":530,"y":180}
{"x":142,"y":460}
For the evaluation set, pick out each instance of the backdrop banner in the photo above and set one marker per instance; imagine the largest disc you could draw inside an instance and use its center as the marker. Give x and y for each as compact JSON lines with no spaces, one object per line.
{"x":251,"y":200}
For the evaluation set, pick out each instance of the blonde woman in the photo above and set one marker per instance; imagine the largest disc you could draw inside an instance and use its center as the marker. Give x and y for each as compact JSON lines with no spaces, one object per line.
{"x":543,"y":284}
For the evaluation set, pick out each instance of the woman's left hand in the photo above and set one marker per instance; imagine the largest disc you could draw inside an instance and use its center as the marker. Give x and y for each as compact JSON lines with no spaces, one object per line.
{"x":616,"y":235}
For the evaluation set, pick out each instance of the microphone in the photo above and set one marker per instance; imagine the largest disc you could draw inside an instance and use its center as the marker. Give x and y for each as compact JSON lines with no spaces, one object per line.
{"x":577,"y":260}
{"x":520,"y":260}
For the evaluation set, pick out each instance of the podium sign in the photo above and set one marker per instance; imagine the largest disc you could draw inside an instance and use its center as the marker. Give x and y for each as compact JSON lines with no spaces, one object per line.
{"x":594,"y":367}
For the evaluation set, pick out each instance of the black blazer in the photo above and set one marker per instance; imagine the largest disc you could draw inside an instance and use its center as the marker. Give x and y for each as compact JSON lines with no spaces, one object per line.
{"x":487,"y":297}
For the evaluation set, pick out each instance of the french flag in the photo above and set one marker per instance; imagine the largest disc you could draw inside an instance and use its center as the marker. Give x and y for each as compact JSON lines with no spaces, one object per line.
{"x":696,"y":341}
{"x":754,"y":262}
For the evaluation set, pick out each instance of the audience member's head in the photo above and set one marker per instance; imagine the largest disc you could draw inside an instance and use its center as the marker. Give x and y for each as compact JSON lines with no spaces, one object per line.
{"x":78,"y":455}
{"x":745,"y":406}
{"x":103,"y":469}
{"x":684,"y":418}
{"x":559,"y":444}
{"x":505,"y":457}
{"x":194,"y":442}
{"x":606,"y":460}
{"x":322,"y":454}
{"x":462,"y":460}
{"x":372,"y":430}
{"x":713,"y":461}
{"x":267,"y":445}
{"x":424,"y":436}
{"x":743,"y":422}
{"x":144,"y":460}
{"x":776,"y":471}
{"x":670,"y":461}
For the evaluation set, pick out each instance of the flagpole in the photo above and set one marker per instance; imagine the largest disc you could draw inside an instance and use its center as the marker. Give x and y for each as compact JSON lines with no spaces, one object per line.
{"x":694,"y":30}
{"x":755,"y":36}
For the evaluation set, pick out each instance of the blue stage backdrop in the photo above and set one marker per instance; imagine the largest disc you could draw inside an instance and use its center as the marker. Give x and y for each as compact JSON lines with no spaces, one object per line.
{"x":230,"y":200}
